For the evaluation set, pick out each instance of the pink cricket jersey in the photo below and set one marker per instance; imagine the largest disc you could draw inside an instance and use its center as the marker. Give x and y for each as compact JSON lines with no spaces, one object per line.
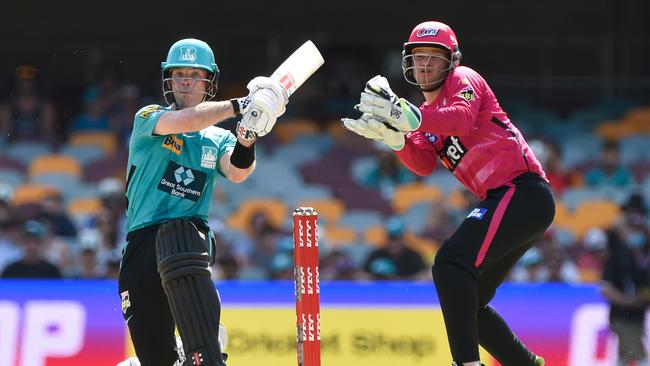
{"x":467,"y":129}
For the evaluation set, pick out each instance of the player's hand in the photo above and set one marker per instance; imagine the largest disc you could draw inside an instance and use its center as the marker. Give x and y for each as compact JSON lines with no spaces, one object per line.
{"x":260,"y":117}
{"x":263,"y":82}
{"x":372,"y":127}
{"x":379,"y":100}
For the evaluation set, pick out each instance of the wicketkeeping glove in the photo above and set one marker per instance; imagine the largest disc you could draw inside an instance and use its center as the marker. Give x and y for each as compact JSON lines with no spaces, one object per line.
{"x":372,"y":127}
{"x":378,"y":100}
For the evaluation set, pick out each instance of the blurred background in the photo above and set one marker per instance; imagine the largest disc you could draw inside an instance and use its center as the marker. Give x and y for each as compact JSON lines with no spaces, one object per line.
{"x":573,"y":76}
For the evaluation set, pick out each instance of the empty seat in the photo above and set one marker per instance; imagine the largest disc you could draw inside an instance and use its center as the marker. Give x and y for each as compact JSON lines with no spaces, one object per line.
{"x":330,"y":209}
{"x":57,"y":164}
{"x":25,"y":152}
{"x":32,"y":194}
{"x":275,"y":210}
{"x":105,"y":140}
{"x":409,"y":194}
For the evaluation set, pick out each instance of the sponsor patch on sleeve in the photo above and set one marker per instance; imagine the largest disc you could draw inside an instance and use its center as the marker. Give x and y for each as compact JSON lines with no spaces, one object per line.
{"x":146,"y":111}
{"x":467,"y":93}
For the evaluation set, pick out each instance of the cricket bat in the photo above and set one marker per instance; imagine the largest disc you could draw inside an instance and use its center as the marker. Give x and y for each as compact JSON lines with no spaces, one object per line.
{"x":296,"y":69}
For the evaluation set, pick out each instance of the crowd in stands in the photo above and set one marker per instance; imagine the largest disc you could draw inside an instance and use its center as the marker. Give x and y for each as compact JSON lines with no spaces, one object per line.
{"x":62,"y":206}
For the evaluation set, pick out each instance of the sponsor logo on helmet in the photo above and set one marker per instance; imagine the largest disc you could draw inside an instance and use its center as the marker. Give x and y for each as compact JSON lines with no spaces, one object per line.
{"x":209,"y":157}
{"x":425,"y":32}
{"x":173,"y":143}
{"x":187,"y":54}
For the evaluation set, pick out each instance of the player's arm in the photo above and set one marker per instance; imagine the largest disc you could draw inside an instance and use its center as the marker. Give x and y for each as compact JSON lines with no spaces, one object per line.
{"x":418,"y":154}
{"x":195,"y":118}
{"x":457,"y":118}
{"x":239,"y":163}
{"x":265,"y":99}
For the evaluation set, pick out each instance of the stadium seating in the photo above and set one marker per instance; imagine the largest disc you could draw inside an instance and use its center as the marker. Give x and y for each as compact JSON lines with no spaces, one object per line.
{"x":58,"y":164}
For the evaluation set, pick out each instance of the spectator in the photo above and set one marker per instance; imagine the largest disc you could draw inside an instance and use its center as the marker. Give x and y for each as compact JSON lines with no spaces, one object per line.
{"x":558,"y":175}
{"x":626,"y":286}
{"x":27,"y":115}
{"x":395,"y":261}
{"x":95,"y":114}
{"x":338,"y":266}
{"x":55,"y":216}
{"x":592,"y":255}
{"x":530,"y":267}
{"x":10,"y":248}
{"x":610,"y":172}
{"x":121,"y":119}
{"x":33,"y":263}
{"x":387,"y":174}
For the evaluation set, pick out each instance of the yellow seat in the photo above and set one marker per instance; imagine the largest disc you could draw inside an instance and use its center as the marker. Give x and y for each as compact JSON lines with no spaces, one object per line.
{"x":376,"y":236}
{"x":336,"y":130}
{"x":409,"y":194}
{"x":275,"y":210}
{"x":105,"y":140}
{"x":330,"y":209}
{"x":288,"y":130}
{"x":32,"y":193}
{"x":614,"y":130}
{"x":55,"y":164}
{"x":338,"y":235}
{"x":85,"y":206}
{"x":602,"y":214}
{"x":426,"y":247}
{"x":457,"y":200}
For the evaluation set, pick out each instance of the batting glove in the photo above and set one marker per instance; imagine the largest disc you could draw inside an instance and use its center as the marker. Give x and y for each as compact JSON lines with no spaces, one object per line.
{"x":263,"y":82}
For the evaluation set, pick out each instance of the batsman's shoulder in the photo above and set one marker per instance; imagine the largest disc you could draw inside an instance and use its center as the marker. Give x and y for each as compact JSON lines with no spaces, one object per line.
{"x":146,"y":112}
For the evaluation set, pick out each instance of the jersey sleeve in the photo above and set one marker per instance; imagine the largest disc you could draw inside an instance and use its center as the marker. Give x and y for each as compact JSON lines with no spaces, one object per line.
{"x":145,"y":121}
{"x":459,"y":115}
{"x":418,"y":154}
{"x":226,"y":143}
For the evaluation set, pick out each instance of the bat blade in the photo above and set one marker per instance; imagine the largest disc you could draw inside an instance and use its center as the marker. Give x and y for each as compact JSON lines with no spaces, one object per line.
{"x":298,"y":67}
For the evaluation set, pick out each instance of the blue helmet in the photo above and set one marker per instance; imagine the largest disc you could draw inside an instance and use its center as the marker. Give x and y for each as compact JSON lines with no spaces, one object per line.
{"x":193,"y":53}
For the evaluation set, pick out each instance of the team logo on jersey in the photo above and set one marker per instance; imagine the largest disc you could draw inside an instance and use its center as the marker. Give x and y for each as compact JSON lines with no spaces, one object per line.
{"x":182,"y":182}
{"x":452,"y":152}
{"x":209,"y":157}
{"x":467,"y":94}
{"x":173,"y":143}
{"x":477,"y":213}
{"x":188,"y":54}
{"x":146,"y":111}
{"x":423,"y":32}
{"x":126,"y":302}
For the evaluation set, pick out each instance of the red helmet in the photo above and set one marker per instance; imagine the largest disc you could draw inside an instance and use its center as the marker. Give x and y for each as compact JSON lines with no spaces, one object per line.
{"x":430,"y":34}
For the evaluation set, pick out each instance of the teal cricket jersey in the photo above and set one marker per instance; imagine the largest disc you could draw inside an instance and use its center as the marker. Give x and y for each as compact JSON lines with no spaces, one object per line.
{"x":171,"y":176}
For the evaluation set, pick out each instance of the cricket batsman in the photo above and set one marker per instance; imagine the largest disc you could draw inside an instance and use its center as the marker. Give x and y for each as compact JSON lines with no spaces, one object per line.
{"x":175,"y":154}
{"x":462,"y":124}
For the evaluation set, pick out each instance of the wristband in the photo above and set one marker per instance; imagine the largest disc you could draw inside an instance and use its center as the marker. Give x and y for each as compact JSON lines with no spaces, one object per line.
{"x":242,"y":157}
